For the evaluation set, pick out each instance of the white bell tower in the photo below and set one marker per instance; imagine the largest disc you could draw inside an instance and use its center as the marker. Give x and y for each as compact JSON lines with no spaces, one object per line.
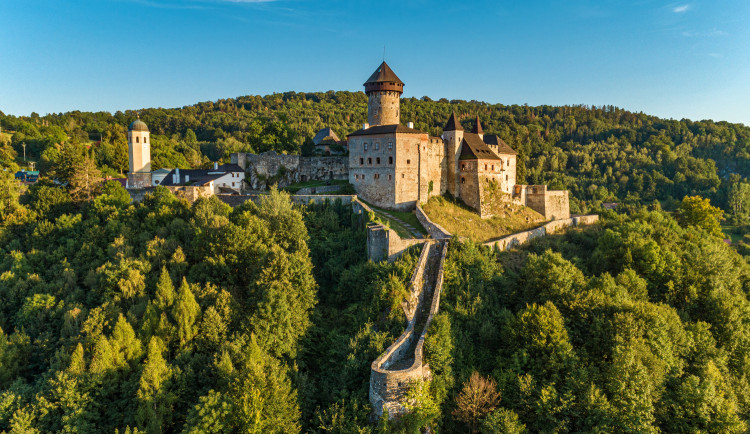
{"x":139,"y":155}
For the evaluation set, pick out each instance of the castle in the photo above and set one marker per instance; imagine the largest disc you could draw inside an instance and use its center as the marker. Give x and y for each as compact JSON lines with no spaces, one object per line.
{"x":390,"y":165}
{"x":396,"y":166}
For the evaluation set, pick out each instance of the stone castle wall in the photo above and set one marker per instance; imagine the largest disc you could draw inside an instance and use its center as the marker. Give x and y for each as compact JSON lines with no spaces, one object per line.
{"x":435,"y":230}
{"x":555,"y":226}
{"x":552,"y":204}
{"x":432,"y":176}
{"x":389,"y":381}
{"x":372,"y":171}
{"x":262,"y":170}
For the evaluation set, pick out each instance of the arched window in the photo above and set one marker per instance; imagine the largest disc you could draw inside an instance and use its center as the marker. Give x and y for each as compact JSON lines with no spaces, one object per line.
{"x":145,"y":140}
{"x":485,"y":167}
{"x":136,"y":139}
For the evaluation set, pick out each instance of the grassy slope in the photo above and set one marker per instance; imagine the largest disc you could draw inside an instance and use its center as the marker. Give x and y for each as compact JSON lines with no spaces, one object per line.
{"x":458,"y":219}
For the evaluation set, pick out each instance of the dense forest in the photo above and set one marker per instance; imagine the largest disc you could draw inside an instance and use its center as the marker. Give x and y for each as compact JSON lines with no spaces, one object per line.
{"x":167,"y":316}
{"x":601,"y":154}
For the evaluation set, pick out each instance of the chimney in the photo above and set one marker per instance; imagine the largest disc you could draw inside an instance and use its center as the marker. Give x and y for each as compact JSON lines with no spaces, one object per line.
{"x":365,"y":126}
{"x":410,"y":125}
{"x":216,"y":165}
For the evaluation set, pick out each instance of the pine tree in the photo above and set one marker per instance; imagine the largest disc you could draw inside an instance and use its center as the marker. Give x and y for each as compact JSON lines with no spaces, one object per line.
{"x":154,"y":398}
{"x":186,"y":312}
{"x":165,"y":293}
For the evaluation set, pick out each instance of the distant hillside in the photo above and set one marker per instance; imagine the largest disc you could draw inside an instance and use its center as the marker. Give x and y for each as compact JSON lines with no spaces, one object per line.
{"x":600,"y":153}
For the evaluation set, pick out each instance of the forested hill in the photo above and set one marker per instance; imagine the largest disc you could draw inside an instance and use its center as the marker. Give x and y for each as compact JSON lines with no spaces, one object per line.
{"x":599,"y":153}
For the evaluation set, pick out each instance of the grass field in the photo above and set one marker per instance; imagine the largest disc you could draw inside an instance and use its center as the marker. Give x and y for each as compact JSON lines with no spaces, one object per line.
{"x":458,"y":219}
{"x":407,"y":217}
{"x":735,"y":233}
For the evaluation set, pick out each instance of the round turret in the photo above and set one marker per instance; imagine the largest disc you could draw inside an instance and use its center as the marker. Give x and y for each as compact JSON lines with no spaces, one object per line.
{"x":384,"y":79}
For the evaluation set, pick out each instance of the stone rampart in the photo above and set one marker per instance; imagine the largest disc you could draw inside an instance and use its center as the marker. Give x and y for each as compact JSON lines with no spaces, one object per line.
{"x":390,"y":378}
{"x":270,"y":168}
{"x":384,"y":243}
{"x":319,"y":190}
{"x":300,"y":199}
{"x":435,"y":230}
{"x":189,"y":192}
{"x":555,"y":226}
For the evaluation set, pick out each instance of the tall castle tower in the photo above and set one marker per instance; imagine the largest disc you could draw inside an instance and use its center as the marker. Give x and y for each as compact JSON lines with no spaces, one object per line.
{"x":383,"y":90}
{"x":453,"y":135}
{"x":139,"y":155}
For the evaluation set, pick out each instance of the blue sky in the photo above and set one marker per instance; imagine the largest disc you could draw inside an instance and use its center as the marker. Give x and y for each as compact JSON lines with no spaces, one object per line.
{"x":686,"y":59}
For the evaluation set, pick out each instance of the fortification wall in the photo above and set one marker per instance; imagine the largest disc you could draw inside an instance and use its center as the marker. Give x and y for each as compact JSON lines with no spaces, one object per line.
{"x":388,"y":383}
{"x":384,"y":243}
{"x":319,"y":190}
{"x":555,"y":226}
{"x":431,"y":165}
{"x":552,"y":204}
{"x":189,"y":192}
{"x":435,"y":230}
{"x":557,"y":204}
{"x":270,"y":168}
{"x":300,"y":199}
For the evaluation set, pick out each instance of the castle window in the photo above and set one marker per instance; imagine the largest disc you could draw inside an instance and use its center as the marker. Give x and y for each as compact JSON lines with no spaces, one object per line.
{"x":493,"y":167}
{"x":485,"y":167}
{"x":390,"y":177}
{"x":506,"y":177}
{"x":145,"y":140}
{"x":377,"y":160}
{"x":463,"y":180}
{"x":136,"y":139}
{"x":402,"y":175}
{"x":365,"y":146}
{"x":390,"y":145}
{"x":369,"y":161}
{"x":377,"y":145}
{"x":361,"y":161}
{"x":390,"y":160}
{"x":377,"y":176}
{"x":408,"y":161}
{"x":463,"y":166}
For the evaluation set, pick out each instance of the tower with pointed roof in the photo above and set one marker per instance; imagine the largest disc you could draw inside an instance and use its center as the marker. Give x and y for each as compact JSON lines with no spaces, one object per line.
{"x":139,"y":155}
{"x":383,"y":90}
{"x":453,"y":135}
